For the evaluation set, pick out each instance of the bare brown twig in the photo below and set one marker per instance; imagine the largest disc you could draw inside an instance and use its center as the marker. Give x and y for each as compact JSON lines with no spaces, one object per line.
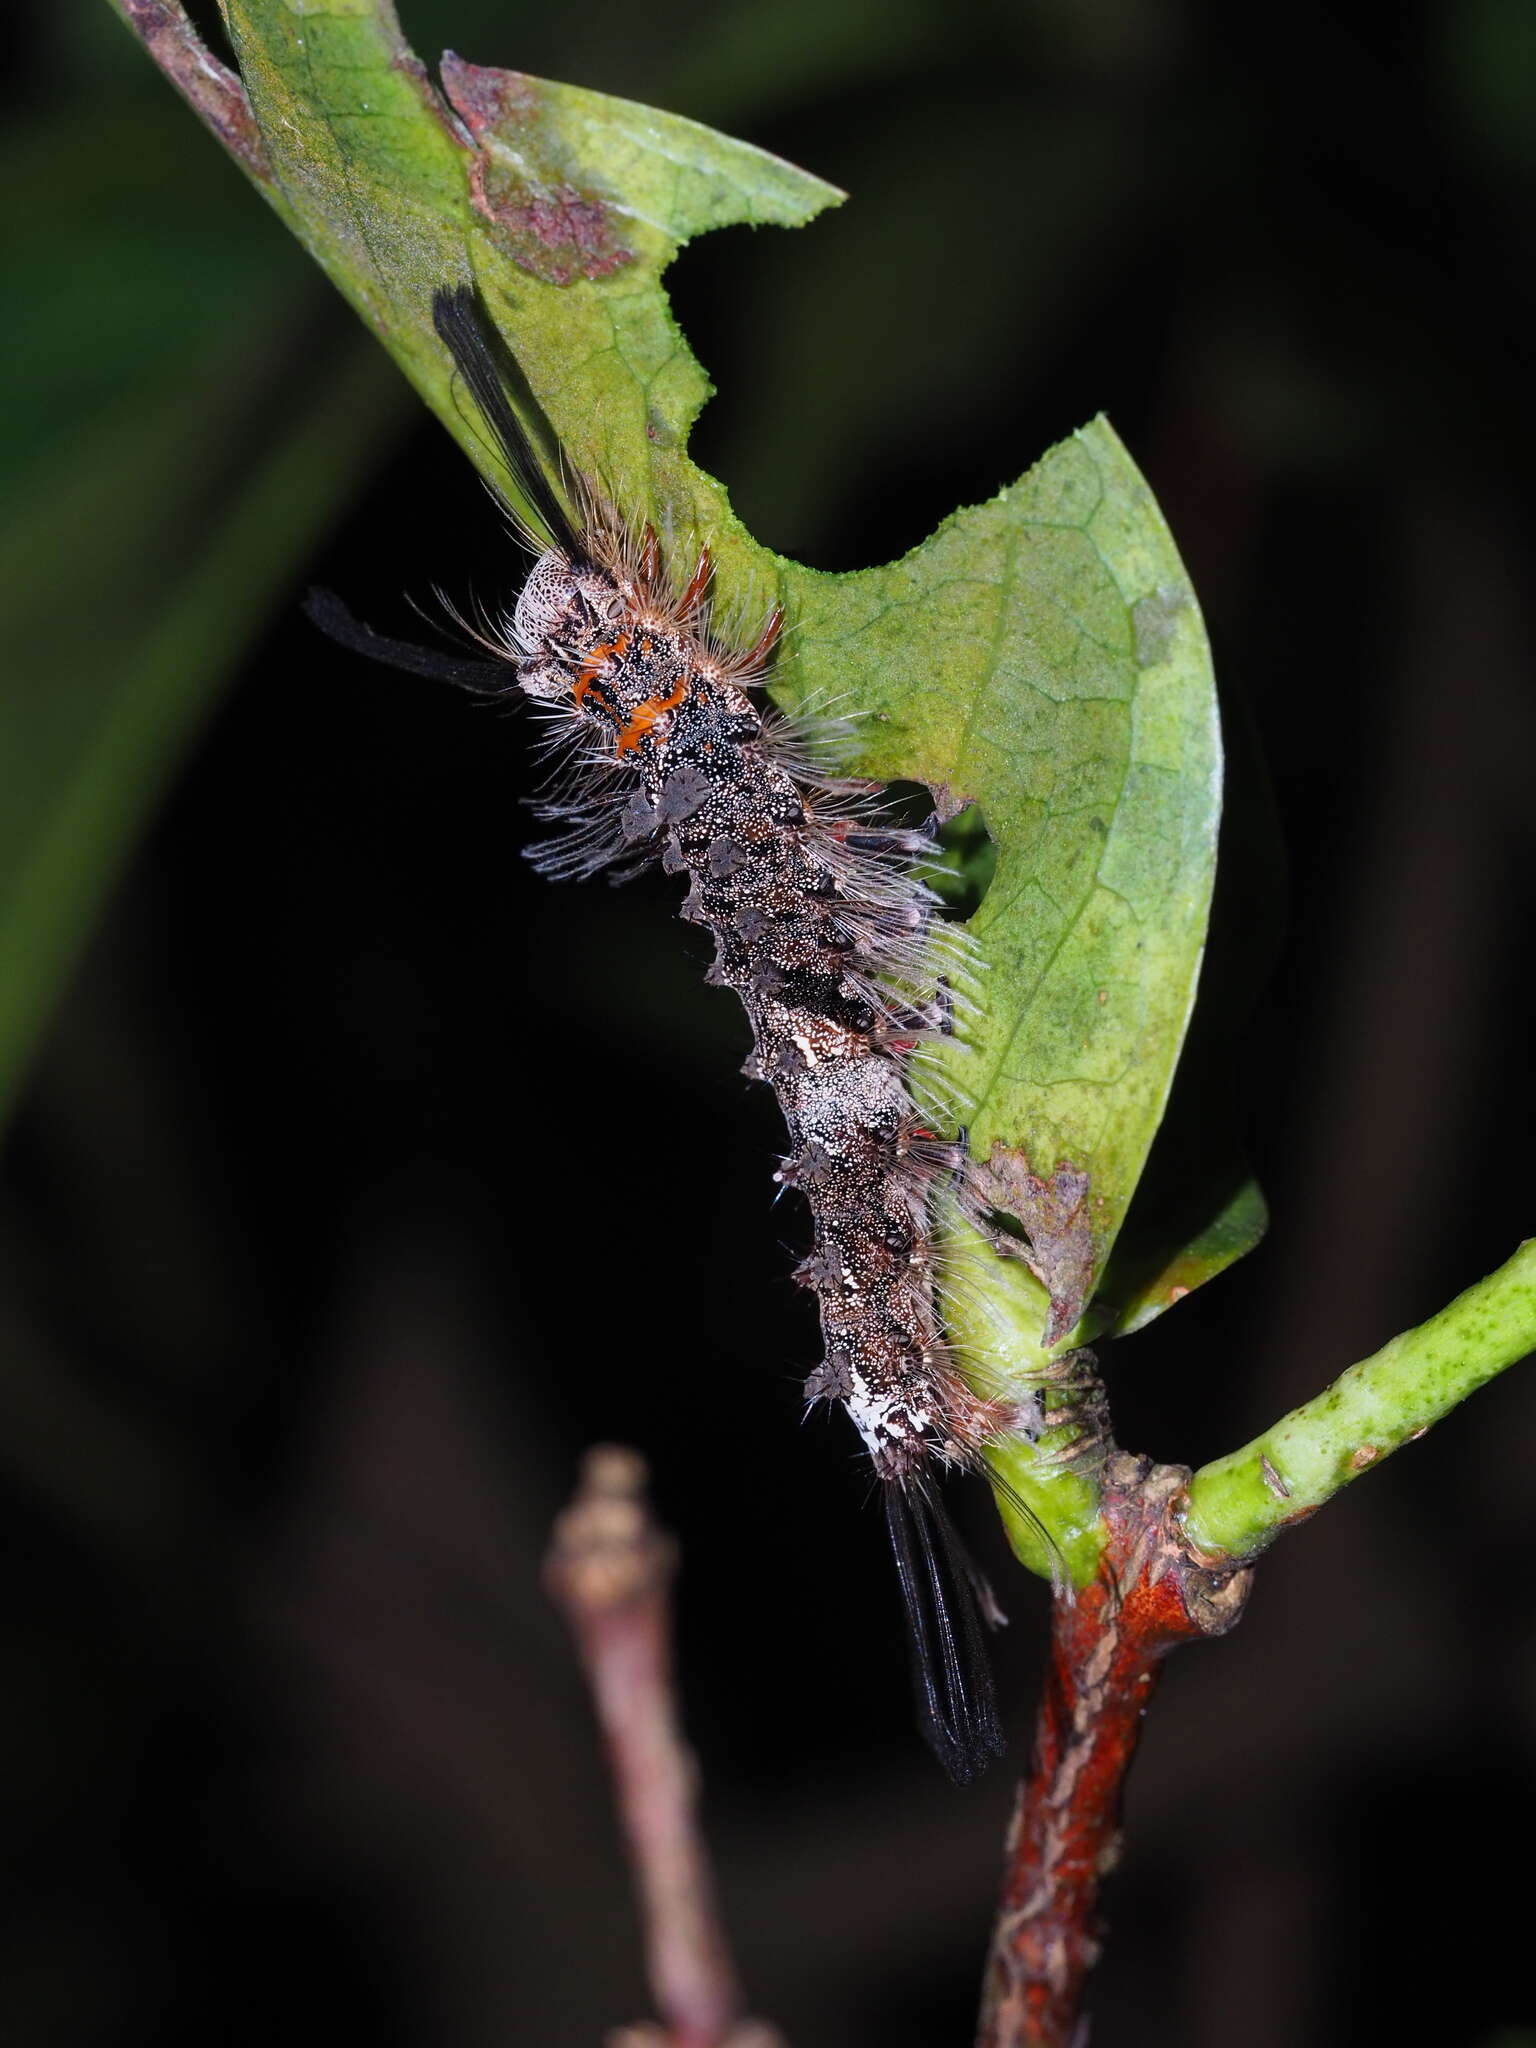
{"x":611,"y":1568}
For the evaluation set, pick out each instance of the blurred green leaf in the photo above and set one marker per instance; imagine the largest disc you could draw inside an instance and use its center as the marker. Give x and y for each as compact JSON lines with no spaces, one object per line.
{"x":145,"y":526}
{"x":107,"y":692}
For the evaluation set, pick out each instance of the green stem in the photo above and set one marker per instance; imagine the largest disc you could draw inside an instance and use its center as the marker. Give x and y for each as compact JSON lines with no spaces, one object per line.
{"x":1241,"y":1502}
{"x":996,"y":1310}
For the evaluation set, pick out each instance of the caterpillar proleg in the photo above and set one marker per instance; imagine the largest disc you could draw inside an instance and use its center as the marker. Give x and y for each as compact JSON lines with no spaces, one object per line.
{"x":824,"y":928}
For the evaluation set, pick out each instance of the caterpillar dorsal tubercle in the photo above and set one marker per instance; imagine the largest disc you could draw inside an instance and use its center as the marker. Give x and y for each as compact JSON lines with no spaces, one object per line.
{"x":824,"y":928}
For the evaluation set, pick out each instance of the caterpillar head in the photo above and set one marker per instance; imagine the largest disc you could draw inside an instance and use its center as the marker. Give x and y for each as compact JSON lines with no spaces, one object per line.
{"x":563,"y":607}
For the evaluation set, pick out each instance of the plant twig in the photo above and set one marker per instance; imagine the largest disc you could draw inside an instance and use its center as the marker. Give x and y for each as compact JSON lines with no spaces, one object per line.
{"x":610,"y":1568}
{"x":1241,"y":1502}
{"x":1107,"y":1644}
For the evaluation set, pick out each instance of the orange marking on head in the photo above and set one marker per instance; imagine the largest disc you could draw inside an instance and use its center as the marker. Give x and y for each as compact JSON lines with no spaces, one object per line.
{"x":591,"y":668}
{"x":645,"y":715}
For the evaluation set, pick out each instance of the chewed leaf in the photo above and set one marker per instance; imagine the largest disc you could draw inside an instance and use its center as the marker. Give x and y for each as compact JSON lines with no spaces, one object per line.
{"x":1043,"y":657}
{"x":564,"y":207}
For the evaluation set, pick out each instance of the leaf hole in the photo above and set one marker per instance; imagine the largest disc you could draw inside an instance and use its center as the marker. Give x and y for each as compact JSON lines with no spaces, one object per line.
{"x":1008,"y":1225}
{"x":966,"y":858}
{"x":967,"y":863}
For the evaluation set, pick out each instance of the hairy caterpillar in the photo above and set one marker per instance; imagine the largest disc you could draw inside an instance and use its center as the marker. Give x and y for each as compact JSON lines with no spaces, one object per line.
{"x":825,"y":930}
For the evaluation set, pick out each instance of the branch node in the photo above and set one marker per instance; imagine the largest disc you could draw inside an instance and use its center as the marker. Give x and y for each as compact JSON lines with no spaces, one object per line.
{"x":606,"y":1549}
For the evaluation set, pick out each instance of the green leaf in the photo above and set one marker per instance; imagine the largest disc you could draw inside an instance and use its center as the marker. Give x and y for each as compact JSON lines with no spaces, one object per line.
{"x":1198,"y":1207}
{"x":1040,"y":659}
{"x":1043,"y":658}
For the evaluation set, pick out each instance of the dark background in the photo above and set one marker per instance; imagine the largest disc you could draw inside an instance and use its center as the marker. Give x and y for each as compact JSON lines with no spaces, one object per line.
{"x":331,"y":1232}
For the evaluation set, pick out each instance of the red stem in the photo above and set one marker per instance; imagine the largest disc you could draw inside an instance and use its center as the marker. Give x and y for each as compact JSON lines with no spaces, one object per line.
{"x":1107,"y":1644}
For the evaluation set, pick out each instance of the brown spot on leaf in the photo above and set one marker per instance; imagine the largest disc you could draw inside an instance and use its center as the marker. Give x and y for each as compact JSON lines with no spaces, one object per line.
{"x":554,"y":223}
{"x":948,"y":802}
{"x":1366,"y":1454}
{"x":489,"y":98}
{"x":1153,"y":620}
{"x":1054,"y":1215}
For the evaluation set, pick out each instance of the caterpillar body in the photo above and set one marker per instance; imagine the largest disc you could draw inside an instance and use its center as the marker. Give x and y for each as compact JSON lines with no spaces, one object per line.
{"x":825,"y":930}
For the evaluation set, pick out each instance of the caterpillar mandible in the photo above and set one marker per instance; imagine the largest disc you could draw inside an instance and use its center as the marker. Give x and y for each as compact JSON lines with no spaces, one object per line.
{"x":824,"y":928}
